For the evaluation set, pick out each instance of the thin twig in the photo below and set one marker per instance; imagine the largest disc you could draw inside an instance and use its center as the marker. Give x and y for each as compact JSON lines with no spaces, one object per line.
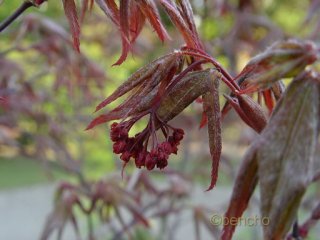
{"x":23,"y":7}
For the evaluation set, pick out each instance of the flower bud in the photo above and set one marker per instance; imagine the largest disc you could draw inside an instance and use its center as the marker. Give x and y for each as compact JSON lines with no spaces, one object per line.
{"x":119,"y":147}
{"x":140,"y":159}
{"x":178,"y":134}
{"x":125,"y":156}
{"x":150,"y":162}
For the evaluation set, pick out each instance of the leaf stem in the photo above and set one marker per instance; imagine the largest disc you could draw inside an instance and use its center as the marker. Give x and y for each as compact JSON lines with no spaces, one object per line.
{"x":227,"y":79}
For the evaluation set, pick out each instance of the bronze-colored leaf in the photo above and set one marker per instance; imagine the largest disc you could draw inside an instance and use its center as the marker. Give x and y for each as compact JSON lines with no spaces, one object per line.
{"x":148,"y":7}
{"x":282,"y":60}
{"x":153,"y":71}
{"x":187,"y":90}
{"x":190,"y":38}
{"x":70,"y":10}
{"x":247,"y":177}
{"x":286,"y":153}
{"x":110,"y":8}
{"x":243,"y":189}
{"x":211,"y":107}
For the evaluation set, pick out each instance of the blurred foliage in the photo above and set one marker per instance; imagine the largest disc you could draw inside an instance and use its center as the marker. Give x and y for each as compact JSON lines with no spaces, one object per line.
{"x":231,"y":35}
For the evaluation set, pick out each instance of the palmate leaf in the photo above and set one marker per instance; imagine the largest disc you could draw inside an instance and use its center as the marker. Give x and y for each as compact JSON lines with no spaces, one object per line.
{"x":140,"y":85}
{"x":284,"y":59}
{"x":58,"y":218}
{"x":129,"y":16}
{"x":286,"y":154}
{"x":70,"y":10}
{"x":168,"y":98}
{"x":195,"y":84}
{"x":110,"y":194}
{"x":154,"y":71}
{"x":282,"y":158}
{"x":181,"y":95}
{"x":281,"y":60}
{"x":185,"y":92}
{"x":182,"y":17}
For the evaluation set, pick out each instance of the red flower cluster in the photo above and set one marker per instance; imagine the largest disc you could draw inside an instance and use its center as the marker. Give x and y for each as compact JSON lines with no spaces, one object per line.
{"x":137,"y":147}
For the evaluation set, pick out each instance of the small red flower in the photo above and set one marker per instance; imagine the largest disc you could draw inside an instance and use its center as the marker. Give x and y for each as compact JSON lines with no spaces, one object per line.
{"x":162,"y":160}
{"x":174,"y":145}
{"x":141,"y":159}
{"x":137,"y":147}
{"x":178,"y":135}
{"x":118,"y":132}
{"x":125,"y":156}
{"x":150,"y":161}
{"x":165,"y":147}
{"x":119,"y":147}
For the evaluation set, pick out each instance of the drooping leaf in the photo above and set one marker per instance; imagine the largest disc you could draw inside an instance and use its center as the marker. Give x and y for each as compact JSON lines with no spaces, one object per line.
{"x":110,"y":8}
{"x":185,"y":92}
{"x":243,"y":189}
{"x":247,"y":177}
{"x":132,"y":106}
{"x":86,"y":4}
{"x":143,"y":74}
{"x":70,"y":10}
{"x":187,"y":13}
{"x":124,"y":30}
{"x":211,"y":107}
{"x":286,"y":152}
{"x":141,"y":85}
{"x":149,"y":9}
{"x":180,"y":23}
{"x":137,"y":20}
{"x":125,"y":50}
{"x":179,"y":97}
{"x":120,"y":17}
{"x":124,"y":18}
{"x":130,"y":17}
